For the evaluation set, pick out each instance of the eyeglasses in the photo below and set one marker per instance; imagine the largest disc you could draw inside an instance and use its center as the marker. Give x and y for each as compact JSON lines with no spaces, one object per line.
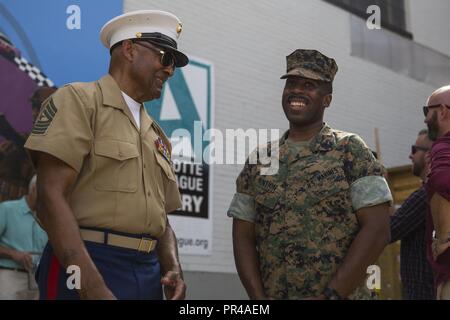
{"x":426,"y":109}
{"x":415,"y":148}
{"x":167,"y":58}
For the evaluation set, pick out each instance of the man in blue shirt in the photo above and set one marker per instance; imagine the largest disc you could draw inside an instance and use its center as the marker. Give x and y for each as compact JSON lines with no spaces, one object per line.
{"x":22,"y":240}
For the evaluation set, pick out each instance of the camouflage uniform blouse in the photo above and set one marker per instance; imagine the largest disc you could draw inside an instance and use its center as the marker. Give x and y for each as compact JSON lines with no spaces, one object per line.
{"x":304,"y":215}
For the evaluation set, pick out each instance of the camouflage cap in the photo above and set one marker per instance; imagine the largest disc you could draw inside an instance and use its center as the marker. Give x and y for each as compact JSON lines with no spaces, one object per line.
{"x":310,"y":64}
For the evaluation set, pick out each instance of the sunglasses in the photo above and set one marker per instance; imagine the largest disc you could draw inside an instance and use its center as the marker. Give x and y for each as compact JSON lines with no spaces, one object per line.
{"x":426,"y":109}
{"x":167,"y":58}
{"x":415,"y":148}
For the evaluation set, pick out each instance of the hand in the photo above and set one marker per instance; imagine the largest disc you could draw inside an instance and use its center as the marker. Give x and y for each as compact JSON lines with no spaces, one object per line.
{"x":439,"y":247}
{"x":24,"y":259}
{"x":174,"y":286}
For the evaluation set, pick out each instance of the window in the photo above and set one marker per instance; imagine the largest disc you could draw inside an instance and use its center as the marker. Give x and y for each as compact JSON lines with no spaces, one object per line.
{"x":392,"y":12}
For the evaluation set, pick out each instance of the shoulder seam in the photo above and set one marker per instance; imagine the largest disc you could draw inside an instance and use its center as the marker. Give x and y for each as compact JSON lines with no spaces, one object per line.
{"x":80,"y":91}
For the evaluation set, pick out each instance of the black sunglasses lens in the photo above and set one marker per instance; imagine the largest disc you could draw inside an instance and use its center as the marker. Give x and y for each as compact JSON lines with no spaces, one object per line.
{"x":413,"y":149}
{"x":425,"y":111}
{"x":167,"y":59}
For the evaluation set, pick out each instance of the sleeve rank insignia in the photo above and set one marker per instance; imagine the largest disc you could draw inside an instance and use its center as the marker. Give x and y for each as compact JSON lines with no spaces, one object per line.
{"x":45,"y":118}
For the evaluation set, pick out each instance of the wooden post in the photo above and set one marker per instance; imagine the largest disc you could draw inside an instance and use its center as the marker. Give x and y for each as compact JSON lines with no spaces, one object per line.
{"x":377,"y":144}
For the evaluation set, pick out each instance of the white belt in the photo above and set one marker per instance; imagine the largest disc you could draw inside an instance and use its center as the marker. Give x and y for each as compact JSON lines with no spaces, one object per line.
{"x":112,"y":239}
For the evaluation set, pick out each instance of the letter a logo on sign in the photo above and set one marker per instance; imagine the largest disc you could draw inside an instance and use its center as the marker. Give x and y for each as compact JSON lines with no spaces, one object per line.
{"x":186,"y":100}
{"x":184,"y":112}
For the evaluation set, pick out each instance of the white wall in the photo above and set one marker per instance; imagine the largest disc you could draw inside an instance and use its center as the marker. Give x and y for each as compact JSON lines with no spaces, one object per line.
{"x":248,"y":40}
{"x":429,"y":23}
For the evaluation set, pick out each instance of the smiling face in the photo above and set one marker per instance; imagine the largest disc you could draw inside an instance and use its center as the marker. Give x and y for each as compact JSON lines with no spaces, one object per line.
{"x":147,"y":72}
{"x":304,"y":101}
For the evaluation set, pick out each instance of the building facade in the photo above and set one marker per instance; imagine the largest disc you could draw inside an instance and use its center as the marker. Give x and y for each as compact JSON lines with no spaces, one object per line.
{"x":375,"y":87}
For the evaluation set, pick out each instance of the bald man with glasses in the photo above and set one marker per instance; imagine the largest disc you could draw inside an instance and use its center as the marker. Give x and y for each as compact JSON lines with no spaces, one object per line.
{"x":437,"y":118}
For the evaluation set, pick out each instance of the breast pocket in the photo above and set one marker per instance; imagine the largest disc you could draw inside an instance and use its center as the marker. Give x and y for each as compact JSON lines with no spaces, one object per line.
{"x":165,"y":167}
{"x":268,"y":206}
{"x":327,"y":188}
{"x":164,"y":174}
{"x":329,"y":208}
{"x":116,"y":166}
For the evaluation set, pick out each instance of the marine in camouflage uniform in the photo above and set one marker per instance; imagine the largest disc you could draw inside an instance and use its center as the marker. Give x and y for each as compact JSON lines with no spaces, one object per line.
{"x":304,"y":216}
